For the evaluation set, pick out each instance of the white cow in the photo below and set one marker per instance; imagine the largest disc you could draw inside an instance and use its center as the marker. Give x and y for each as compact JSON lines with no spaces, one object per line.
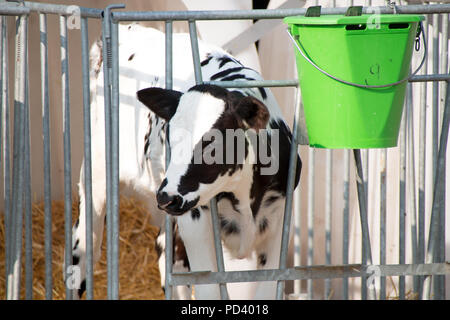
{"x":249,"y":188}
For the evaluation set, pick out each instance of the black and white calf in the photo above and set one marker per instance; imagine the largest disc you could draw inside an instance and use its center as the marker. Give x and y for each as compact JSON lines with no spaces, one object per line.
{"x":248,"y":181}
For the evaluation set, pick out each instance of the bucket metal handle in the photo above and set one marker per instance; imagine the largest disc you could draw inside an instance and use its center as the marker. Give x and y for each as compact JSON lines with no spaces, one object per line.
{"x":364,"y":85}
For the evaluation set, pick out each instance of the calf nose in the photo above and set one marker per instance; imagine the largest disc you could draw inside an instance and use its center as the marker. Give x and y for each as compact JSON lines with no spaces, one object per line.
{"x":169,"y":202}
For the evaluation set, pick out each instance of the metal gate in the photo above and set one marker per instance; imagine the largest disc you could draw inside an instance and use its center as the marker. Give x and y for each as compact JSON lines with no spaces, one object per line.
{"x":428,"y":266}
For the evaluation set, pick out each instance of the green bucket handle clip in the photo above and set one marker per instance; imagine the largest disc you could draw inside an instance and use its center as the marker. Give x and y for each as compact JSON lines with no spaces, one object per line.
{"x":417,"y":47}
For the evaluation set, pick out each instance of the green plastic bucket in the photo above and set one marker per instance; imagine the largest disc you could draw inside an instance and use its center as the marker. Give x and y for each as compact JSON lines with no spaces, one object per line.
{"x":366,"y":50}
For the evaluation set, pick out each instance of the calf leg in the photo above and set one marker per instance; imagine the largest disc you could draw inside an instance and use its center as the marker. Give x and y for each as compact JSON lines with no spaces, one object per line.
{"x":98,"y":221}
{"x":179,"y":265}
{"x":196,"y":231}
{"x":269,"y":258}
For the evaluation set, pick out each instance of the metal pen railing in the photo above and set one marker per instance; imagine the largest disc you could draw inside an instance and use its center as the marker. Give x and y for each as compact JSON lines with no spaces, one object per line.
{"x":428,"y":260}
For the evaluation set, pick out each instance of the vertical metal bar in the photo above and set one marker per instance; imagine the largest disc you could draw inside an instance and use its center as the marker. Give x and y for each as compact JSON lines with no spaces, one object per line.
{"x":422,"y":160}
{"x":402,"y":209}
{"x":2,"y":75}
{"x":111,"y":86}
{"x":67,"y":151}
{"x":218,"y":246}
{"x":435,"y":101}
{"x":6,"y":148}
{"x":438,"y":195}
{"x":345,"y":224}
{"x":297,"y":237}
{"x":27,"y":189}
{"x":195,"y":52}
{"x":115,"y":157}
{"x":383,"y":195}
{"x":328,"y":206}
{"x":289,"y":197}
{"x":363,"y":215}
{"x":169,"y":246}
{"x":310,"y":218}
{"x":411,"y":179}
{"x":169,"y":54}
{"x":443,"y":63}
{"x":18,"y":156}
{"x":298,"y":218}
{"x":169,"y":219}
{"x":107,"y":100}
{"x":365,"y":181}
{"x":46,"y":146}
{"x":213,"y":204}
{"x":443,"y":93}
{"x":87,"y":160}
{"x":435,"y":142}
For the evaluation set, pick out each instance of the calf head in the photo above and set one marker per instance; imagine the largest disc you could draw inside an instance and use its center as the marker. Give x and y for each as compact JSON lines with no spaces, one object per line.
{"x":207,"y":128}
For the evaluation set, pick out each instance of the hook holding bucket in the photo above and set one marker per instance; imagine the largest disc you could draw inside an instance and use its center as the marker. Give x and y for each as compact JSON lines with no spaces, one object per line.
{"x":417,"y":41}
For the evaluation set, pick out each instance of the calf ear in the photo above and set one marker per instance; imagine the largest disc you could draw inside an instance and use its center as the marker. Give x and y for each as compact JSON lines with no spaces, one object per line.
{"x":253,"y":113}
{"x":162,"y":102}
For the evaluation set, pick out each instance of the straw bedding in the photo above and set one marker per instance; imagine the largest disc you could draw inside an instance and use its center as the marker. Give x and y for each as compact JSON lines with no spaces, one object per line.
{"x":138,"y":265}
{"x":138,"y":270}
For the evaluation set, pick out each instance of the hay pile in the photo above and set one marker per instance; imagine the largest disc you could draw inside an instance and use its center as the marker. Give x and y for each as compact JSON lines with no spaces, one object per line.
{"x":139,"y":274}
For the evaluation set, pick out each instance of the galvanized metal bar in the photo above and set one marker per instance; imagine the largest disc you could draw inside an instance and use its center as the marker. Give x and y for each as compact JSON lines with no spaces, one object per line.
{"x":383,"y":196}
{"x":111,"y":169}
{"x":106,"y":49}
{"x":67,"y":150}
{"x":195,"y":52}
{"x":168,"y":220}
{"x":6,"y":149}
{"x":27,"y":190}
{"x":328,"y":212}
{"x":435,"y":90}
{"x":2,"y":75}
{"x":297,"y":236}
{"x":13,"y":9}
{"x":115,"y":159}
{"x":297,"y":216}
{"x":46,"y":148}
{"x":443,"y":62}
{"x":213,"y":203}
{"x":411,"y":179}
{"x":168,"y":287}
{"x":435,"y":143}
{"x":168,"y":290}
{"x":87,"y":165}
{"x":429,"y":77}
{"x":218,"y":247}
{"x":439,"y":193}
{"x":345,"y":217}
{"x":422,"y":162}
{"x":402,"y":204}
{"x":309,"y":272}
{"x":429,"y":122}
{"x":62,"y":9}
{"x":310,"y":217}
{"x":365,"y":180}
{"x":267,"y":14}
{"x":169,"y":54}
{"x":289,"y":198}
{"x":254,"y":83}
{"x":13,"y":290}
{"x":363,"y":215}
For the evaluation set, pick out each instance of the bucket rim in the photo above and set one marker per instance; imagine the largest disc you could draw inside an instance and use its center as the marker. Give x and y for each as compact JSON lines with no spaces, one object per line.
{"x":345,"y":20}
